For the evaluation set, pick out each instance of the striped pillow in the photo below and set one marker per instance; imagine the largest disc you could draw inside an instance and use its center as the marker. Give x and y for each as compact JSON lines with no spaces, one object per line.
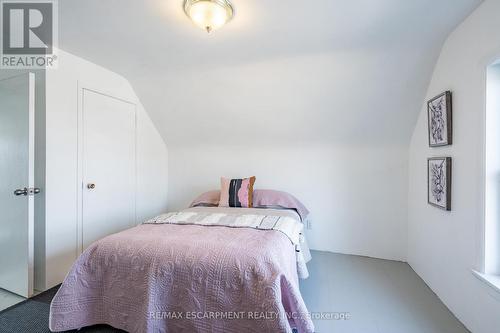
{"x":236,"y":192}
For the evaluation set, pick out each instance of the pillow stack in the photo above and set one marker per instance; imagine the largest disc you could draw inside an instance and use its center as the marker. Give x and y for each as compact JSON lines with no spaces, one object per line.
{"x":259,"y":199}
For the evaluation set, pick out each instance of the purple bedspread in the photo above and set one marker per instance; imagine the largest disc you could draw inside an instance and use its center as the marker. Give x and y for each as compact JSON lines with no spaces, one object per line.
{"x":184,"y":278}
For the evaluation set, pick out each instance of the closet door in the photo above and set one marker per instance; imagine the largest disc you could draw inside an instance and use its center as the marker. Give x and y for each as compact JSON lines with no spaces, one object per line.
{"x":108,"y":166}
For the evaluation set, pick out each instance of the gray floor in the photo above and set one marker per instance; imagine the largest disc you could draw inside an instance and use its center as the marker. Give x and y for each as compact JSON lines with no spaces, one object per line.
{"x":8,"y":299}
{"x":380,"y":296}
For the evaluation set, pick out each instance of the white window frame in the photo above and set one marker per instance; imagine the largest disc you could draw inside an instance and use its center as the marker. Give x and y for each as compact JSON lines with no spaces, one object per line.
{"x":490,"y":277}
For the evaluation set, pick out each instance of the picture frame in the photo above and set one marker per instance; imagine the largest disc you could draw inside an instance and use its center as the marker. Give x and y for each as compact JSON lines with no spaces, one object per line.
{"x":439,"y":182}
{"x":439,"y":115}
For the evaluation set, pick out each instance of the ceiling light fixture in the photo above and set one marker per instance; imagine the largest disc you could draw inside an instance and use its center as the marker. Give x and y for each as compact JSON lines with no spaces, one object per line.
{"x":209,"y":14}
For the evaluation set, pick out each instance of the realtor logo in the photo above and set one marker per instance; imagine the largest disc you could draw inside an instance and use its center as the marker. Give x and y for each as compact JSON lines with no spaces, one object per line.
{"x":29,"y":34}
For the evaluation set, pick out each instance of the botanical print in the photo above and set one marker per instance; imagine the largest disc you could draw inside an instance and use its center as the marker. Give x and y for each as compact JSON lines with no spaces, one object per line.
{"x":439,"y":110}
{"x":438,"y":125}
{"x":439,"y":182}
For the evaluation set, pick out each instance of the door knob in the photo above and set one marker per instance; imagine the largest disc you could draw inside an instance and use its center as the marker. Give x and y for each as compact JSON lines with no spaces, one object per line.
{"x":33,"y":191}
{"x":19,"y":191}
{"x":27,"y":191}
{"x":91,"y":186}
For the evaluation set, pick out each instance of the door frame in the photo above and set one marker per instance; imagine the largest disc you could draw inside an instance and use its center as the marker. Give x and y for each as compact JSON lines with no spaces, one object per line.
{"x":81,"y":88}
{"x":31,"y":184}
{"x":31,"y":176}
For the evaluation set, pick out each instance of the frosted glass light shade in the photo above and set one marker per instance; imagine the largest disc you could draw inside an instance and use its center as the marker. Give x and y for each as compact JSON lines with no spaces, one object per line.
{"x":209,"y":14}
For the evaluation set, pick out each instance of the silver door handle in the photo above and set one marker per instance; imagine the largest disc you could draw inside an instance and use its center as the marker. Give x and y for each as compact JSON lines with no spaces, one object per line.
{"x":27,"y":191}
{"x":23,"y":191}
{"x":32,"y":191}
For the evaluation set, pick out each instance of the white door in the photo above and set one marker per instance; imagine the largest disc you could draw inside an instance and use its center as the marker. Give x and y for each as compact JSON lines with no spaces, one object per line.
{"x":17,"y":108}
{"x":108,"y":166}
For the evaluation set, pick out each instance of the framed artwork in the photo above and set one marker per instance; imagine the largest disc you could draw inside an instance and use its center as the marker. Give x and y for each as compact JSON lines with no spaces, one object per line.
{"x":439,"y":111}
{"x":439,"y":182}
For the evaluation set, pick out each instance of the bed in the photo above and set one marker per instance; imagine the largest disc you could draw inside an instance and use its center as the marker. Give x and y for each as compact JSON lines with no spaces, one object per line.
{"x":204,"y":269}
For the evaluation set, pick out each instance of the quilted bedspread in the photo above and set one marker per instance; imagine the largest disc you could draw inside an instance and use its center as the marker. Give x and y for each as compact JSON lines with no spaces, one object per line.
{"x":184,"y":278}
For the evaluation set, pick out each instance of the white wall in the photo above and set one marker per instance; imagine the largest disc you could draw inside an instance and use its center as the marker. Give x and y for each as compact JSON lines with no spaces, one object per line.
{"x":61,"y":158}
{"x":331,"y":128}
{"x":356,"y":193}
{"x":443,"y":247}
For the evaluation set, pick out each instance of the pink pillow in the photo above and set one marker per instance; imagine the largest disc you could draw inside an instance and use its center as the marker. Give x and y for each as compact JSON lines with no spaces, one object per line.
{"x":272,"y":198}
{"x":210,"y":198}
{"x":260,"y":199}
{"x":236,"y":192}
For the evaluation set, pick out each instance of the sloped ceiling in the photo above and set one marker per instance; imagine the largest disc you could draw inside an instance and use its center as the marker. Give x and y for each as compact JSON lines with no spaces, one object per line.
{"x":282,"y":72}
